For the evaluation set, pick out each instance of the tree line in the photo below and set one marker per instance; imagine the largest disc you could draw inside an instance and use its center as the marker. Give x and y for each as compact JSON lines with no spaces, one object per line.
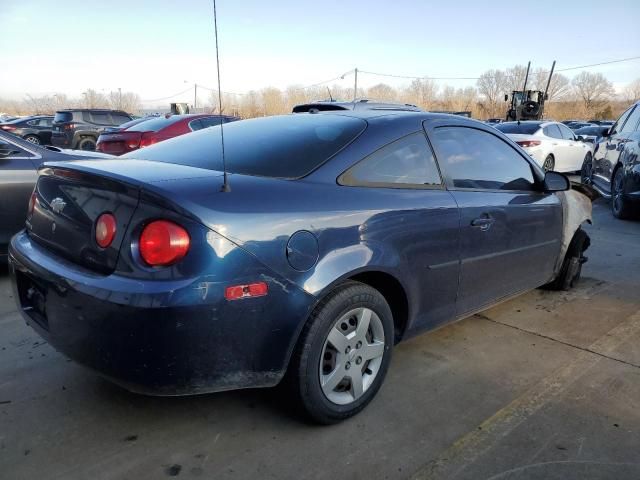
{"x":587,"y":95}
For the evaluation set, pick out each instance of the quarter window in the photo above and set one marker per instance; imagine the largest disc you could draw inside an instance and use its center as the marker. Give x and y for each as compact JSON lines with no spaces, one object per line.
{"x":406,"y":162}
{"x":473,"y":158}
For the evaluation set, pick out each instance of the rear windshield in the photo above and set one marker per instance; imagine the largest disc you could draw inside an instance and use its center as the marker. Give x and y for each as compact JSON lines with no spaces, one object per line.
{"x":154,"y":124}
{"x":60,"y":117}
{"x":522,"y":128}
{"x":288,"y":146}
{"x":591,"y":130}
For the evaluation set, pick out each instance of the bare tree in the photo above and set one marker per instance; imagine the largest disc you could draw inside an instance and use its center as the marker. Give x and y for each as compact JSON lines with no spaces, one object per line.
{"x":94,"y":99}
{"x":272,"y":101}
{"x":593,"y":90}
{"x":382,"y":92}
{"x":421,"y":92}
{"x":632,"y":91}
{"x":492,"y":86}
{"x":514,"y":78}
{"x":558,"y":88}
{"x":127,"y":101}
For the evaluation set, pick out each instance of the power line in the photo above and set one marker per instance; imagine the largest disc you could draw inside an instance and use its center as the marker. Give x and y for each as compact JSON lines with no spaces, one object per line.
{"x":167,"y":98}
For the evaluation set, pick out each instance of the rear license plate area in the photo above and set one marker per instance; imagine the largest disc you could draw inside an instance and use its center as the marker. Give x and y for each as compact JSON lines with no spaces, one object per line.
{"x":33,"y":298}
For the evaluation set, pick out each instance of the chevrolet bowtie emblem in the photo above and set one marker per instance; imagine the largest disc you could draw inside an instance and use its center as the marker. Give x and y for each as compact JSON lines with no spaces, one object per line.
{"x":58,"y":204}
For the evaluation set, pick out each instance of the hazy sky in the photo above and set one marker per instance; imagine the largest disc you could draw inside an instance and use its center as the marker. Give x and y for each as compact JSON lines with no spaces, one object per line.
{"x":151,"y":46}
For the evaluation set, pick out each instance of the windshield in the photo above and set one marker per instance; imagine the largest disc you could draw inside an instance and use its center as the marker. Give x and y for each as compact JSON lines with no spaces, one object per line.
{"x":524,"y":128}
{"x":283,"y":146}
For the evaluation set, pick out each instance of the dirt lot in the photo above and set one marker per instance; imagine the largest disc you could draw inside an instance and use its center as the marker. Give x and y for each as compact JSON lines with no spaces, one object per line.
{"x":544,"y":386}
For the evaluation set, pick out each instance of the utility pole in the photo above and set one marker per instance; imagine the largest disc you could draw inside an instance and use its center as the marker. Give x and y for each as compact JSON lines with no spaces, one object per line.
{"x":119,"y":98}
{"x":195,"y":96}
{"x":355,"y":85}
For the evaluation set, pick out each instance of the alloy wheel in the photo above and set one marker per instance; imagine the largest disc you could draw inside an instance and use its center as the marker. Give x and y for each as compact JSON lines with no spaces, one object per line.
{"x":548,"y":163}
{"x":351,"y":356}
{"x":618,"y":186}
{"x":32,"y":139}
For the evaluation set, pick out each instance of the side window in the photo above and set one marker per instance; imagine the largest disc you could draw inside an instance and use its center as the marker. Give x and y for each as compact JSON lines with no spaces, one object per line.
{"x":632,"y":121}
{"x":406,"y":162}
{"x":618,"y":125}
{"x":33,"y":123}
{"x":195,"y":125}
{"x":9,"y":150}
{"x":101,"y":118}
{"x":552,"y":131}
{"x":473,"y":158}
{"x":567,"y":134}
{"x":119,"y":119}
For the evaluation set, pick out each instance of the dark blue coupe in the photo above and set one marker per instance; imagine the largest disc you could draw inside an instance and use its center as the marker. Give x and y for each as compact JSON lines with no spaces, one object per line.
{"x":342,"y":233}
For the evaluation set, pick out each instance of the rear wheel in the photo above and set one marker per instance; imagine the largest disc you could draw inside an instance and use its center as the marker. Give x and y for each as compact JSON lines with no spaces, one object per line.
{"x":586,"y":172}
{"x":619,"y":205}
{"x":343,"y":353}
{"x":549,"y":163}
{"x":87,"y":143}
{"x":33,"y":139}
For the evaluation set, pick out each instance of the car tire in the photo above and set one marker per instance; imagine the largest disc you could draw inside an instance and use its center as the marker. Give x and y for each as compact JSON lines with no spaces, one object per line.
{"x":549,"y":163}
{"x":349,"y":332}
{"x":619,"y":205}
{"x":586,"y":172}
{"x":33,"y":139}
{"x":87,"y":143}
{"x":571,"y":268}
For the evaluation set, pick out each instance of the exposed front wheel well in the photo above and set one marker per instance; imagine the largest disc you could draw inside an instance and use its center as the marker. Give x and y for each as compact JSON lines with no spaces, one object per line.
{"x":393,"y":292}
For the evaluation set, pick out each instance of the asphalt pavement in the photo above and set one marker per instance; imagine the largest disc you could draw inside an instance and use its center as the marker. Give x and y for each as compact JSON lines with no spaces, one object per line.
{"x":544,"y":386}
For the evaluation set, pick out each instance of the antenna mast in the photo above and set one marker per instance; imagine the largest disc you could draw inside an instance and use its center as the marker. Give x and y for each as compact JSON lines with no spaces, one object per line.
{"x":225,"y":184}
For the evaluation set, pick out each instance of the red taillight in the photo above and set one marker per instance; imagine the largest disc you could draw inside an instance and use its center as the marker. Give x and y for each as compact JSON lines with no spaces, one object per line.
{"x":236,"y":292}
{"x":528,"y":143}
{"x":32,"y":202}
{"x":8,"y":128}
{"x":105,"y":229}
{"x":147,"y":139}
{"x":163,"y":243}
{"x":70,"y":126}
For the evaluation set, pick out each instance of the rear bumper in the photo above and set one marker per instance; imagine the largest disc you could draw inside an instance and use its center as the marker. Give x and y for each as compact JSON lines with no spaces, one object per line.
{"x":157,"y":337}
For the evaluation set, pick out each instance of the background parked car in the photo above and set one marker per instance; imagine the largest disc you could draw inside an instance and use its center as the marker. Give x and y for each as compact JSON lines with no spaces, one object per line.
{"x":615,"y":169}
{"x":603,"y":122}
{"x":593,"y":133}
{"x":19,"y":162}
{"x":552,"y":145}
{"x":80,"y":128}
{"x":35,"y":129}
{"x":139,"y":134}
{"x":577,"y":125}
{"x":492,"y":121}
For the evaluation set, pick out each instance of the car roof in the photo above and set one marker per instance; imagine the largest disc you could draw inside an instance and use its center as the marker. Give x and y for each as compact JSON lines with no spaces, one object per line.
{"x":361,"y":104}
{"x":108,"y":110}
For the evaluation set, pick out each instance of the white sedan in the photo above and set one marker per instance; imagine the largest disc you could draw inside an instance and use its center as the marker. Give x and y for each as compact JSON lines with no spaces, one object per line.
{"x":552,"y":145}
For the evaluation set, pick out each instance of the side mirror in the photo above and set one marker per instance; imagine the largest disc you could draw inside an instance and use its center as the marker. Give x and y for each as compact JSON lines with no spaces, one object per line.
{"x":556,"y":182}
{"x":580,"y":138}
{"x":607,"y":132}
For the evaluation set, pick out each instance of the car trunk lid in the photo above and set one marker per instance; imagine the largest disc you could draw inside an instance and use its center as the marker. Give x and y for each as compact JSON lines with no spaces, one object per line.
{"x":68,"y":205}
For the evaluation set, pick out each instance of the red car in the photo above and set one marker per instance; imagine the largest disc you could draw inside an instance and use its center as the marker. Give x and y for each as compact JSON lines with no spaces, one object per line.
{"x":138,"y":134}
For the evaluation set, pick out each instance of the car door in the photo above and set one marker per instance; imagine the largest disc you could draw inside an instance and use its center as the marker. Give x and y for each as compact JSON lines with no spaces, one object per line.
{"x":617,"y":142}
{"x":606,"y":150}
{"x":17,"y":179}
{"x":45,"y":128}
{"x":510,"y":230}
{"x":414,"y":224}
{"x":555,"y":139}
{"x":573,"y":151}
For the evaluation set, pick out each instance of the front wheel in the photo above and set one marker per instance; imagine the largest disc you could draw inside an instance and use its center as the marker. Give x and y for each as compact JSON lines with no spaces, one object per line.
{"x":571,"y":268}
{"x":343,"y":353}
{"x":586,"y":172}
{"x":619,"y":205}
